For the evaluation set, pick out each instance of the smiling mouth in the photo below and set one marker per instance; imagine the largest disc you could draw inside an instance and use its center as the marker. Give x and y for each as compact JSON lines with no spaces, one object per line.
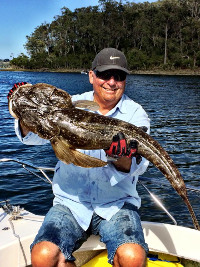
{"x":110,"y":89}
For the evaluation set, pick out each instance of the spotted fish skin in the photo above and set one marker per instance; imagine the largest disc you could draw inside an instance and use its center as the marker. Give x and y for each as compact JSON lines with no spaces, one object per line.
{"x":50,"y":113}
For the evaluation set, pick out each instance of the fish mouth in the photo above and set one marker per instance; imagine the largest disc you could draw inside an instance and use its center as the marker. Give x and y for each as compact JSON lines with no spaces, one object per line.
{"x":10,"y":100}
{"x":11,"y":110}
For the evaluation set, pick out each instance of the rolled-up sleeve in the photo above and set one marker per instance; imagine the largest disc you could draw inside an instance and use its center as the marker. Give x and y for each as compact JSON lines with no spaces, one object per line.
{"x":136,"y":170}
{"x":30,"y":138}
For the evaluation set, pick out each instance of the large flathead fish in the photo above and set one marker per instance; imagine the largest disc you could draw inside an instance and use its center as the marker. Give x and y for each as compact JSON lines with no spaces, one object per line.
{"x":50,"y":113}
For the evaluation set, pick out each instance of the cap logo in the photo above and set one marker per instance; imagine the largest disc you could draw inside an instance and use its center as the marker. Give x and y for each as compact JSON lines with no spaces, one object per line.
{"x":111,"y":57}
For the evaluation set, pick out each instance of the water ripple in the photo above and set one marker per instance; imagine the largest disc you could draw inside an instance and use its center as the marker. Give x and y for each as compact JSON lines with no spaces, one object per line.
{"x":173,"y":105}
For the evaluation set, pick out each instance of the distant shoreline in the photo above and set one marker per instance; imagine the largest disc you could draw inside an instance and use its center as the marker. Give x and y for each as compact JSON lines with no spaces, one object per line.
{"x":189,"y":72}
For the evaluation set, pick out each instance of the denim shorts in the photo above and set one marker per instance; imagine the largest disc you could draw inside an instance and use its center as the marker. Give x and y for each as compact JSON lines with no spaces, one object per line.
{"x":62,"y":229}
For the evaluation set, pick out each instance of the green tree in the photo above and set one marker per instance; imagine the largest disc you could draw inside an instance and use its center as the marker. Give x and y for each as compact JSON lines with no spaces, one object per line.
{"x":21,"y":61}
{"x":164,"y":33}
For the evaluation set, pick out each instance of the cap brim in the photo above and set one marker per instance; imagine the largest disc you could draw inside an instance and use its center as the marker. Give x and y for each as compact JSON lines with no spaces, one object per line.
{"x":111,"y":67}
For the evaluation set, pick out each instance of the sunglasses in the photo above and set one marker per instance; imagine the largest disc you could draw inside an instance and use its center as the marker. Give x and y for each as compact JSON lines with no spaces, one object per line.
{"x":106,"y":75}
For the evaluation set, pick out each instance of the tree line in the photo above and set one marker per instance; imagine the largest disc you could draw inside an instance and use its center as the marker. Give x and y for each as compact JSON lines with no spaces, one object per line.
{"x":164,"y":34}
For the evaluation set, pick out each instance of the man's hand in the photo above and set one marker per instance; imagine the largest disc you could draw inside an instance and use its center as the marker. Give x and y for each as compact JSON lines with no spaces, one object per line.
{"x":123,"y":153}
{"x":119,"y":148}
{"x":15,"y":86}
{"x":132,"y":151}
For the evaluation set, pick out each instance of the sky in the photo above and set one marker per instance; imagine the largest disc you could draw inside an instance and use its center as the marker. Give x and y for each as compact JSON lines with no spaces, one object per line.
{"x":19,"y":18}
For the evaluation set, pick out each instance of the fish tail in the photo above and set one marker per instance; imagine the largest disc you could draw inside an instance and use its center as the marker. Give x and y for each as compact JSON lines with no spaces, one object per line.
{"x":194,"y":219}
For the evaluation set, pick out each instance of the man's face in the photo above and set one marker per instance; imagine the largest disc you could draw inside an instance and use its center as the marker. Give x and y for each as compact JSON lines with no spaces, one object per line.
{"x":108,"y":86}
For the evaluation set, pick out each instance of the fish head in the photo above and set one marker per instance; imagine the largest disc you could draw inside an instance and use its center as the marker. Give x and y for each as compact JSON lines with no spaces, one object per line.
{"x":38,"y":97}
{"x":12,"y":98}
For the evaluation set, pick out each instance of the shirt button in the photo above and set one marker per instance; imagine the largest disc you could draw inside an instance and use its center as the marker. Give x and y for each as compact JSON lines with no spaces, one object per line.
{"x":94,"y":198}
{"x":93,"y":183}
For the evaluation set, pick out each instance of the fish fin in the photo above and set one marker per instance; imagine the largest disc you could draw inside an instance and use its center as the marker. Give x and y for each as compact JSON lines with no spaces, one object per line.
{"x":144,"y":128}
{"x":87,"y":161}
{"x":86,"y":104}
{"x":61,"y":149}
{"x":68,"y":155}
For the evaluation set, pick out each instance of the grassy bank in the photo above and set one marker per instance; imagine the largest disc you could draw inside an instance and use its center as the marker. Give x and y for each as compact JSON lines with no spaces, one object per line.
{"x":169,"y":72}
{"x":144,"y":72}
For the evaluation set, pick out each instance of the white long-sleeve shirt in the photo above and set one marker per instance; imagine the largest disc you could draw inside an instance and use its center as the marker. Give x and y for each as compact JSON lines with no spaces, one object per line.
{"x":102,"y":190}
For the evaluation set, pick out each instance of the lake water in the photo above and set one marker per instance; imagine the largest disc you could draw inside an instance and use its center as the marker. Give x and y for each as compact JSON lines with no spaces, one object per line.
{"x":173,"y":105}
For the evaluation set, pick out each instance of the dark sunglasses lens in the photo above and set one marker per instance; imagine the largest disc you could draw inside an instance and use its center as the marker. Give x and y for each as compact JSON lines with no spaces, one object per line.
{"x":119,"y":76}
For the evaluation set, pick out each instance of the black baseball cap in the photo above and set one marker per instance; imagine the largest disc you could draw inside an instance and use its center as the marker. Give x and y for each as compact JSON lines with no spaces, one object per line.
{"x":110,"y":58}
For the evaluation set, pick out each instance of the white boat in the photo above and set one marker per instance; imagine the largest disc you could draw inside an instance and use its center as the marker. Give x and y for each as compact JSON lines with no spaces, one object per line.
{"x":84,"y":72}
{"x":18,"y":228}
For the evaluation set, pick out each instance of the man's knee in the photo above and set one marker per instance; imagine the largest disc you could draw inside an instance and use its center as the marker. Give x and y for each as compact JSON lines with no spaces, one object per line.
{"x":46,"y":254}
{"x":130,"y":255}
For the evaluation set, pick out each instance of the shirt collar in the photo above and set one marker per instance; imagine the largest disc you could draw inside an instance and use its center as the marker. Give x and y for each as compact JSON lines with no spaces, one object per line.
{"x":120,"y":106}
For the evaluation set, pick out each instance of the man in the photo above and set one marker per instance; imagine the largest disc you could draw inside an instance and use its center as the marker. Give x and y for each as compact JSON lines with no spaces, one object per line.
{"x":104,"y":200}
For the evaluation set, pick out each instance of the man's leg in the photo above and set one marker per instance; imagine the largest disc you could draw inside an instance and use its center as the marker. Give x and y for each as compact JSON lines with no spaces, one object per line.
{"x":58,"y":237}
{"x":124,"y":238}
{"x":129,"y":255}
{"x":47,"y":254}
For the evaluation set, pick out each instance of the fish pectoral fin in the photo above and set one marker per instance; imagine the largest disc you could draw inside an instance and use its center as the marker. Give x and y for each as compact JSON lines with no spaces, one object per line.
{"x":86,"y":161}
{"x":68,"y":155}
{"x":61,"y":149}
{"x":86,"y":104}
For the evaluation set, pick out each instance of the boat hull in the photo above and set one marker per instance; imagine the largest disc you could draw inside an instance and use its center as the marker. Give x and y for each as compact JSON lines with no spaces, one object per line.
{"x":17,"y":235}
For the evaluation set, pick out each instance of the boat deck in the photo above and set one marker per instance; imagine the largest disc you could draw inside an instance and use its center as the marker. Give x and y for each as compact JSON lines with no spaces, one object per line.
{"x":17,"y":235}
